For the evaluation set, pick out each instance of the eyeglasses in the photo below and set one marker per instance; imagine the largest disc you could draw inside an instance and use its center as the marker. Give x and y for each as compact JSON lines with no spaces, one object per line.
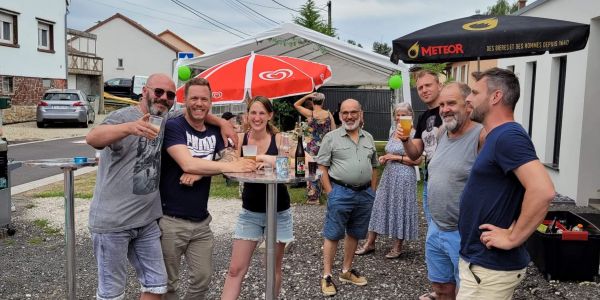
{"x":158,"y":92}
{"x":353,"y":113}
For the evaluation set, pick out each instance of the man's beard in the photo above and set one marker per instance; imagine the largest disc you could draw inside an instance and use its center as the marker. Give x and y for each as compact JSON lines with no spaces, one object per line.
{"x":455,"y":122}
{"x":451,"y":124}
{"x":152,"y":109}
{"x":350,"y":127}
{"x":478,"y":114}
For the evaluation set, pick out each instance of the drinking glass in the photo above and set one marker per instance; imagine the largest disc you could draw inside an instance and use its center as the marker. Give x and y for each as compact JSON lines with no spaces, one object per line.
{"x":268,"y":169}
{"x":249,"y":151}
{"x":406,"y":124}
{"x":156,"y":122}
{"x":285,"y":144}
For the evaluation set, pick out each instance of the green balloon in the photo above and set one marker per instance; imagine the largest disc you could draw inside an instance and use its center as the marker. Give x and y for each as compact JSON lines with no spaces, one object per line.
{"x":184,"y":73}
{"x":395,"y":82}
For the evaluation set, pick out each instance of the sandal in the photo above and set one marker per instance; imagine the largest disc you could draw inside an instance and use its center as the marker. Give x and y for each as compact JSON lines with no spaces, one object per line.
{"x":362,"y":250}
{"x":393,"y":254}
{"x":428,"y":296}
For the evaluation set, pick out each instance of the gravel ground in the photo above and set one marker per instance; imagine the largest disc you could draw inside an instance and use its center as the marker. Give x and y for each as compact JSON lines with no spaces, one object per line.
{"x":32,"y":261}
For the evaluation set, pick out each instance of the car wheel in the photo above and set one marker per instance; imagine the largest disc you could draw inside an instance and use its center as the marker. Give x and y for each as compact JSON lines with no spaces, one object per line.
{"x":84,"y":124}
{"x":40,"y":124}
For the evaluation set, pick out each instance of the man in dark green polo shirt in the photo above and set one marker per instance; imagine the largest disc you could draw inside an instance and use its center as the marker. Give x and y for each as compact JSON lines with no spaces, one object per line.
{"x":347,"y":158}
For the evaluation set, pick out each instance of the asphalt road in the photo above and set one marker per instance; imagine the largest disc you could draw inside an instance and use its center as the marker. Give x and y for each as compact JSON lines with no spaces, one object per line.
{"x":62,"y":148}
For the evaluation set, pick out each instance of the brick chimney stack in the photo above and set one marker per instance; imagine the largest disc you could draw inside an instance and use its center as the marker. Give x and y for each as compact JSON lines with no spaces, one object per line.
{"x":522,"y":3}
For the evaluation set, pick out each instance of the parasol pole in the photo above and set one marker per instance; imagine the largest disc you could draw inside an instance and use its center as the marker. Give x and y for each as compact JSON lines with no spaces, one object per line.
{"x":478,"y":66}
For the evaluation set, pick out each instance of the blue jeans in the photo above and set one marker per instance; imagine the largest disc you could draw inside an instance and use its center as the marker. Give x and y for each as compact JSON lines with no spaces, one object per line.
{"x":441,"y":255}
{"x":348,"y":212}
{"x":141,"y":246}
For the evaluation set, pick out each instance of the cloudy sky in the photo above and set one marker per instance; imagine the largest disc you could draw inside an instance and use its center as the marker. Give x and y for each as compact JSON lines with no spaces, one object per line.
{"x":364,"y":21}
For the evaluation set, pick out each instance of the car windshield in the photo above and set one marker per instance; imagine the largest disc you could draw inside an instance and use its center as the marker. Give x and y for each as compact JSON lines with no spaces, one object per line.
{"x":61,"y":96}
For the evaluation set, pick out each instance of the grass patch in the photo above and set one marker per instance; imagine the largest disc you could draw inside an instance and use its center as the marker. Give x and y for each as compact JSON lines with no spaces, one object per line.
{"x":84,"y":188}
{"x":9,"y":242}
{"x":380,"y":146}
{"x":220,"y":189}
{"x":36,"y":241}
{"x":45,"y":226}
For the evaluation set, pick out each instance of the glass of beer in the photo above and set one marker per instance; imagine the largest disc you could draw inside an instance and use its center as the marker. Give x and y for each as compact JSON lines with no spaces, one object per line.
{"x":249,"y":151}
{"x":406,"y":124}
{"x":156,"y":121}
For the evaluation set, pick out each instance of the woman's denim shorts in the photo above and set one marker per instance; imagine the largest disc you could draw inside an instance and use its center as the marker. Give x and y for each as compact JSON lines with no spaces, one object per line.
{"x":251,"y":226}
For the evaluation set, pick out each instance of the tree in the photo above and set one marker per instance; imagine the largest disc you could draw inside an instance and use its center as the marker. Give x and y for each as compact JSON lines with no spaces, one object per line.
{"x":311,"y":18}
{"x":353,"y":42}
{"x":502,"y":8}
{"x":438,"y":68}
{"x":382,"y":48}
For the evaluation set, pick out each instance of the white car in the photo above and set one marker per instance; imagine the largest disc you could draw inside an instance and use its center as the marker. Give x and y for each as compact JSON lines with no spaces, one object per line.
{"x":65,"y":106}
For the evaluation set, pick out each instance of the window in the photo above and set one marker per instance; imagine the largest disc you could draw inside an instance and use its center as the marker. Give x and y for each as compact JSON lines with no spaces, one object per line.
{"x":560,"y":99}
{"x":8,"y":28}
{"x":6,"y":85}
{"x":45,"y":36}
{"x":530,"y":71}
{"x":47,"y":83}
{"x":120,"y":63}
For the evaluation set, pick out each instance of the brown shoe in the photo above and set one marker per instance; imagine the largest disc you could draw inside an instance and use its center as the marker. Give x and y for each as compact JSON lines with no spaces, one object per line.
{"x":393,"y":254}
{"x":327,"y":286}
{"x":363,"y":250}
{"x":353,"y":277}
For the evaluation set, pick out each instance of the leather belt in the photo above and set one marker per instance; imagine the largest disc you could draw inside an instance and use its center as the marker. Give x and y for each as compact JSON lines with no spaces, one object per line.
{"x":356,"y":188}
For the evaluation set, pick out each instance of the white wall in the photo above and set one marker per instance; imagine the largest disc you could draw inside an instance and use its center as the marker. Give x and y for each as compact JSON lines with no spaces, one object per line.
{"x":579,"y":161}
{"x":27,"y":60}
{"x":142,"y":55}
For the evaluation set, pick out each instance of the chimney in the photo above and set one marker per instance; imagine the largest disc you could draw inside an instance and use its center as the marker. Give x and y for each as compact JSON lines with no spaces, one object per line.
{"x":522,"y":3}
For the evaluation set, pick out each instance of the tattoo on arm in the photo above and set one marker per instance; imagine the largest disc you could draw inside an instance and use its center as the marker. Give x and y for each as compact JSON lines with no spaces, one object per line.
{"x":228,"y":155}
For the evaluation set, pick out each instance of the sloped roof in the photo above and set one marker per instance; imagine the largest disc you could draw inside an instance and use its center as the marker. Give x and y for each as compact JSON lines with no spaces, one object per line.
{"x":136,"y":25}
{"x":167,"y":31}
{"x":351,"y":65}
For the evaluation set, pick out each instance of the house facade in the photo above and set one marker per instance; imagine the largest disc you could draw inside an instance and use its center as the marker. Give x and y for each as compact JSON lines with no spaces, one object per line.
{"x":559,"y":103}
{"x":128,"y":49}
{"x":181,"y":44}
{"x":32,"y":48}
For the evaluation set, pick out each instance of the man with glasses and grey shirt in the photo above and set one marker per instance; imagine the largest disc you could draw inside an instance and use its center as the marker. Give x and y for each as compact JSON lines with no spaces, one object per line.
{"x":348,"y":159}
{"x":126,"y":203}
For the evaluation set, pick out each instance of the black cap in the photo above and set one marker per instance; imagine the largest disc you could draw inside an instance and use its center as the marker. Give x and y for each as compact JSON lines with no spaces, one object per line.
{"x":227,"y":115}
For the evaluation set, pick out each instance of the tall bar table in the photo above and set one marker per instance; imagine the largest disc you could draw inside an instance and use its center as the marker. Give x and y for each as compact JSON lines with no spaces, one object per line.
{"x":68,"y":165}
{"x":271,"y":181}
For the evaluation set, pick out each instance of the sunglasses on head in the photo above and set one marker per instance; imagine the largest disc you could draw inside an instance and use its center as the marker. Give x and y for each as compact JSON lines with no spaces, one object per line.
{"x":158,"y":92}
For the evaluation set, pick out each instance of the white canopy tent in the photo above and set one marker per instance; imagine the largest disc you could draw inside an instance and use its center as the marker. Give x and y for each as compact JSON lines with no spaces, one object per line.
{"x":350,"y":65}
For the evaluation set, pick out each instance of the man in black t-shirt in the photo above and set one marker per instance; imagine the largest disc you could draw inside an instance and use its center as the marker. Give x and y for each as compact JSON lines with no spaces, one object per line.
{"x":425,"y":139}
{"x":191,"y":147}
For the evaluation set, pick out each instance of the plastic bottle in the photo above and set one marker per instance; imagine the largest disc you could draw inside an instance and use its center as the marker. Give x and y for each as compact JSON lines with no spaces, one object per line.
{"x":552,"y":226}
{"x":578,"y":227}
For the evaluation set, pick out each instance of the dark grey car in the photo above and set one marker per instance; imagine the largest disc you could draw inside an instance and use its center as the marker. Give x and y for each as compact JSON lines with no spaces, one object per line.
{"x":65,"y":106}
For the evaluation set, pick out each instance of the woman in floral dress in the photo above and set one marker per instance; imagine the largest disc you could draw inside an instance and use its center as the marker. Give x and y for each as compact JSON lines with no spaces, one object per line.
{"x":319,"y":122}
{"x":395,"y":210}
